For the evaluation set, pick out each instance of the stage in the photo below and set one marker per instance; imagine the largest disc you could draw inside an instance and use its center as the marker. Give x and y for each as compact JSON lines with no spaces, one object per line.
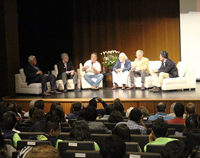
{"x":129,"y":98}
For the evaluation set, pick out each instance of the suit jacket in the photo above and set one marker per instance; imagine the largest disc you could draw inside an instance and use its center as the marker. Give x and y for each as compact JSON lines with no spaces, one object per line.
{"x":61,"y":68}
{"x":170,"y":68}
{"x":127,"y":65}
{"x":30,"y":72}
{"x":143,"y":65}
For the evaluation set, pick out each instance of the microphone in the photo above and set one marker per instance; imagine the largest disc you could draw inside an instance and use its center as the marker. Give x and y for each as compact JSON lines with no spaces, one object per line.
{"x":91,"y":64}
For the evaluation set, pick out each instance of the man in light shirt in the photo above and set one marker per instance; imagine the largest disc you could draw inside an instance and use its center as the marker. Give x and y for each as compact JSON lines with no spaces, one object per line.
{"x":92,"y":69}
{"x":140,"y":69}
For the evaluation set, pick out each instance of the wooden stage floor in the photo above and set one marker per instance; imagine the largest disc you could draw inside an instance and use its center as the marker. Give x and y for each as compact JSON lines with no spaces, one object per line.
{"x":134,"y":98}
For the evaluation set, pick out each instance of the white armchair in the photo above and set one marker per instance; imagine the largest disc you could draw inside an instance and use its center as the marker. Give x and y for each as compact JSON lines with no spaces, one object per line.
{"x":84,"y":83}
{"x":70,"y":83}
{"x":21,"y":85}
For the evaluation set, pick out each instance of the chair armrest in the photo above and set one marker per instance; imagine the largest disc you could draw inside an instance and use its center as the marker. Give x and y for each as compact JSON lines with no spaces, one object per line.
{"x":18,"y":82}
{"x":54,"y":73}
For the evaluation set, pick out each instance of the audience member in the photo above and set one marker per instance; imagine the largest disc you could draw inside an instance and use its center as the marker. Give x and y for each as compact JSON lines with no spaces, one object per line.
{"x":5,"y":149}
{"x":13,"y":107}
{"x":196,"y":152}
{"x":115,"y":117}
{"x":31,"y":105}
{"x":158,"y":134}
{"x":135,"y":121}
{"x":52,"y":128}
{"x":119,"y":106}
{"x":123,"y":132}
{"x":179,"y":111}
{"x":190,"y":124}
{"x":161,"y":113}
{"x":173,"y":149}
{"x":44,"y":151}
{"x":39,"y":104}
{"x":145,"y":113}
{"x":108,"y":111}
{"x":90,"y":116}
{"x":192,"y":140}
{"x":75,"y":108}
{"x":54,"y":105}
{"x":172,"y":110}
{"x":113,"y":147}
{"x":7,"y":123}
{"x":38,"y":118}
{"x":128,"y":111}
{"x":80,"y":132}
{"x":189,"y":110}
{"x":93,"y":102}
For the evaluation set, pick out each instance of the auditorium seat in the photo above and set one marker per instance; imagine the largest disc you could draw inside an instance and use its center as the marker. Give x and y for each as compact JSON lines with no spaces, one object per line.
{"x":99,"y":138}
{"x":98,"y":131}
{"x":28,"y":135}
{"x":23,"y":143}
{"x":132,"y":147}
{"x":64,"y":136}
{"x":109,"y":125}
{"x":84,"y":83}
{"x":71,"y":121}
{"x":8,"y":141}
{"x":66,"y":129}
{"x":154,"y":148}
{"x":180,"y":138}
{"x":81,"y":154}
{"x":141,"y":139}
{"x":135,"y":131}
{"x":178,"y":127}
{"x":171,"y":131}
{"x":142,"y":155}
{"x":75,"y":145}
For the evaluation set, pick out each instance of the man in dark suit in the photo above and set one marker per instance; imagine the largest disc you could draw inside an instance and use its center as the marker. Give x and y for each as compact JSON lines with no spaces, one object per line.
{"x":168,"y":69}
{"x":66,"y":71}
{"x":121,"y":71}
{"x":35,"y":75}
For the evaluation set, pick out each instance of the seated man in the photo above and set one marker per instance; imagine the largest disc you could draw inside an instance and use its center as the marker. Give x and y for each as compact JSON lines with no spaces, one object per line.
{"x":179,"y":111}
{"x":140,"y":69}
{"x":158,"y":135}
{"x":161,"y":108}
{"x":168,"y":69}
{"x":35,"y":75}
{"x":135,"y":121}
{"x":92,"y":69}
{"x":121,"y":71}
{"x":66,"y":71}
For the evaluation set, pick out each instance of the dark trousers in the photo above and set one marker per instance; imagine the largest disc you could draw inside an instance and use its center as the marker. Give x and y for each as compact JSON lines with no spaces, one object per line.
{"x":43,"y":79}
{"x":141,"y":74}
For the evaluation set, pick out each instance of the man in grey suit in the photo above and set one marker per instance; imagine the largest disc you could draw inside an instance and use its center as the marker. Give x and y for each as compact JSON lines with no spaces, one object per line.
{"x":168,"y":69}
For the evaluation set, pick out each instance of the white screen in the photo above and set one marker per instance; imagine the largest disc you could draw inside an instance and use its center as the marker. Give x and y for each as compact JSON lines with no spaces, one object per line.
{"x":190,"y":33}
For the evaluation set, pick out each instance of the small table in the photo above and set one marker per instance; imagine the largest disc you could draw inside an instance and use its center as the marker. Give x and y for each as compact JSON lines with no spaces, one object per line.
{"x":107,"y":82}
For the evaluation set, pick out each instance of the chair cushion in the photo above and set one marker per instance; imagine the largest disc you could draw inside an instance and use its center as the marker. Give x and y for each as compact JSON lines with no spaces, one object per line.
{"x":182,"y":68}
{"x":56,"y":69}
{"x":178,"y":80}
{"x":33,"y":85}
{"x":23,"y":76}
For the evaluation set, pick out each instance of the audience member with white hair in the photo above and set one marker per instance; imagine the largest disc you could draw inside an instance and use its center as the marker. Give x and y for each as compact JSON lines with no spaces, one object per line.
{"x":35,"y":75}
{"x":121,"y":71}
{"x":66,"y":71}
{"x":140,"y":69}
{"x":31,"y":105}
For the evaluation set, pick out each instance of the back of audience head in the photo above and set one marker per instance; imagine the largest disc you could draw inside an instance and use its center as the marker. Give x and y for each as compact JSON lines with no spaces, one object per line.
{"x":119,"y":106}
{"x":179,"y":109}
{"x":44,"y":151}
{"x":76,"y":106}
{"x":13,"y":107}
{"x":161,"y":107}
{"x":135,"y":115}
{"x":123,"y":132}
{"x":8,"y":120}
{"x":144,"y":111}
{"x":37,"y":115}
{"x":109,"y":108}
{"x":31,"y":111}
{"x":192,"y":140}
{"x":81,"y":114}
{"x":159,"y":127}
{"x":4,"y":109}
{"x":52,"y":126}
{"x":191,"y":123}
{"x":190,"y":108}
{"x":93,"y":102}
{"x":91,"y":113}
{"x":80,"y":131}
{"x":173,"y":149}
{"x":54,"y":105}
{"x":115,"y":117}
{"x":113,"y":147}
{"x":196,"y":152}
{"x":128,"y":111}
{"x":32,"y":103}
{"x":172,"y":107}
{"x":39,"y":104}
{"x":60,"y":113}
